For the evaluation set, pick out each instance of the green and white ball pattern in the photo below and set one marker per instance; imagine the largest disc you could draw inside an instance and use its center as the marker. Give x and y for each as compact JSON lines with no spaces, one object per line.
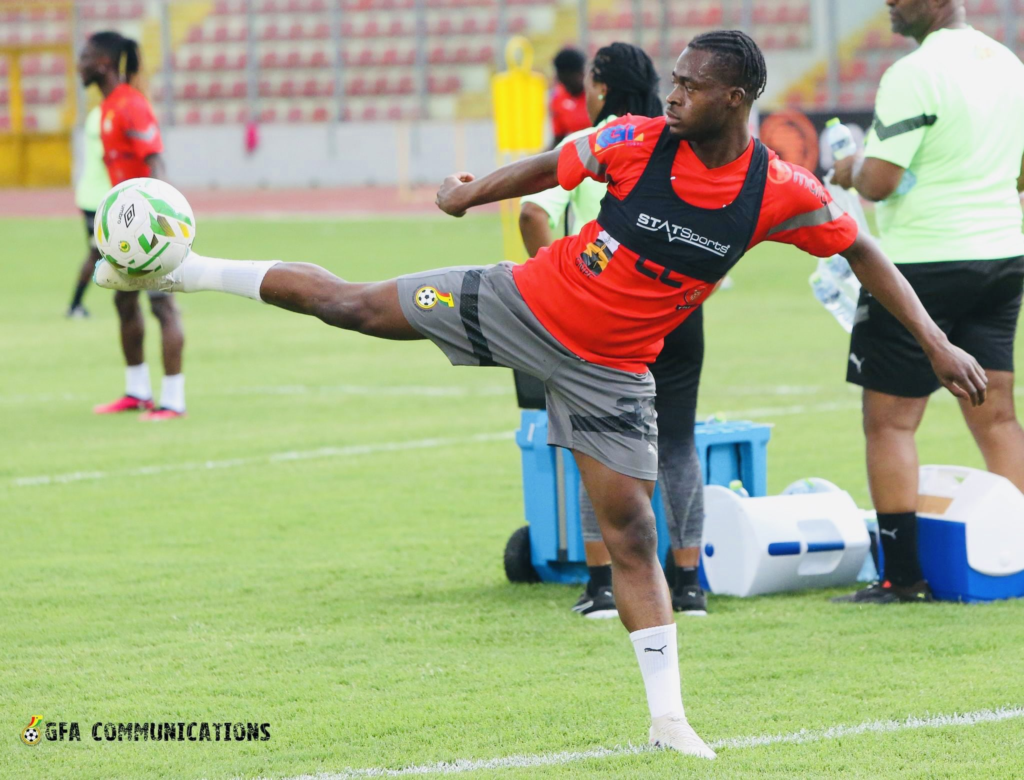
{"x":145,"y":227}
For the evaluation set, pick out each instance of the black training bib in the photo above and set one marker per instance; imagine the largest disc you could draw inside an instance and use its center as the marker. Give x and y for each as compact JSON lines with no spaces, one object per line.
{"x":653,"y":221}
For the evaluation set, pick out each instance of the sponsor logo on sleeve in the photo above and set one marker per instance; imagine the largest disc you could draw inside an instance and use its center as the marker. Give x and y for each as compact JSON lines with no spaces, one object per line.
{"x":617,"y":134}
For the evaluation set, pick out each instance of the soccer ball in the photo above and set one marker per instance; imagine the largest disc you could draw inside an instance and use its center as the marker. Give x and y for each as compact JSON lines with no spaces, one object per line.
{"x":30,"y":735}
{"x":144,"y":227}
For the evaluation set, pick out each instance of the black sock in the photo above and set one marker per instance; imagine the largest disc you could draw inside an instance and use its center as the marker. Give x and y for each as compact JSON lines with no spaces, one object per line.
{"x":600,"y":577}
{"x":686,"y":577}
{"x":79,"y":293}
{"x":898,"y":535}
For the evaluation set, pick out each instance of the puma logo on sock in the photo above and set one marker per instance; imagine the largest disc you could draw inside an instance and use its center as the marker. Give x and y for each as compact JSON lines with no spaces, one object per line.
{"x":656,"y":649}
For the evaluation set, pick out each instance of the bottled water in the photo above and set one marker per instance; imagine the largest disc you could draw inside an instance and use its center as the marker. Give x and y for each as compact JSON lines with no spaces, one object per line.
{"x":842,"y":275}
{"x":831,"y":297}
{"x":840,"y":139}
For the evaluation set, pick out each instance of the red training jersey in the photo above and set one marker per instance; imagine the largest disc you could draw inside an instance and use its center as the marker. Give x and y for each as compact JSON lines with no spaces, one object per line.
{"x":129,"y":132}
{"x":568,"y":112}
{"x":620,"y":317}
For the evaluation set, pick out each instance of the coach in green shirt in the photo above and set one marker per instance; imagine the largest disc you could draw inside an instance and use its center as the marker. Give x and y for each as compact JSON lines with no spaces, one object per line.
{"x":944,"y":161}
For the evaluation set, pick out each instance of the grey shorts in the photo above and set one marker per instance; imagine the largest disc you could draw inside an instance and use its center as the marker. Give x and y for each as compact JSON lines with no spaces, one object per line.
{"x":477,"y":317}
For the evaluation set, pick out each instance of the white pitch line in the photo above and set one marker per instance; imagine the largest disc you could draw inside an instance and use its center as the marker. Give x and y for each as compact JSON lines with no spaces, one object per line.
{"x":350,"y":451}
{"x":460,"y":766}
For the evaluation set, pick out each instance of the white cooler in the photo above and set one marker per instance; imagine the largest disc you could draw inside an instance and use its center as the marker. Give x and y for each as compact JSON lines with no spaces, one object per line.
{"x":970,"y":534}
{"x":777,"y":543}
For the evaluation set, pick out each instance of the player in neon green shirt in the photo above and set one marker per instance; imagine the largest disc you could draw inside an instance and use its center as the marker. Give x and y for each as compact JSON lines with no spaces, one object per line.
{"x":622,"y":80}
{"x":944,"y":161}
{"x":93,"y":184}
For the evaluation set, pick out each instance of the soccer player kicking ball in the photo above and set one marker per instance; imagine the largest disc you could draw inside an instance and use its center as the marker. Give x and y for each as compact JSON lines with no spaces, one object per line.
{"x":688,"y":194}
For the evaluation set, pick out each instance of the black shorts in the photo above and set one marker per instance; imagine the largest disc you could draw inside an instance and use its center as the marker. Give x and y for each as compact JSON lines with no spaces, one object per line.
{"x":90,"y":225}
{"x":975,"y":302}
{"x":677,"y":369}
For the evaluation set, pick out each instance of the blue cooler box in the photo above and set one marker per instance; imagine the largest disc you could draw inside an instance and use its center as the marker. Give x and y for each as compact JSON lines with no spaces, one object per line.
{"x":970,"y":535}
{"x":727,"y":452}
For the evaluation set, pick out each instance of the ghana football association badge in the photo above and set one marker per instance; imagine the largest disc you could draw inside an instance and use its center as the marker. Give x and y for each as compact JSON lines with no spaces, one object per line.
{"x":428,"y":297}
{"x":31,"y":735}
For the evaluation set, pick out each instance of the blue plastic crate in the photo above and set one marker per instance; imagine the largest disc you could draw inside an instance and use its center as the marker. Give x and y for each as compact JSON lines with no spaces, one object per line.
{"x":727,"y":451}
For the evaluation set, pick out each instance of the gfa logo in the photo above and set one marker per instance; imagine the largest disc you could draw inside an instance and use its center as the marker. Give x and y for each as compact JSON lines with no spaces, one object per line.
{"x":55,"y":732}
{"x":30,"y":734}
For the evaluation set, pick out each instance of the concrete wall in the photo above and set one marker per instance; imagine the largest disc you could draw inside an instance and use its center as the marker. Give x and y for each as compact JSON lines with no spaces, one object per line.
{"x":350,"y":154}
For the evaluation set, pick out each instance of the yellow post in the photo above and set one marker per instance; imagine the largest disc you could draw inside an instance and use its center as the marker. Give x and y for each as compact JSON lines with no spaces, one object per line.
{"x":518,"y":99}
{"x":17,"y":103}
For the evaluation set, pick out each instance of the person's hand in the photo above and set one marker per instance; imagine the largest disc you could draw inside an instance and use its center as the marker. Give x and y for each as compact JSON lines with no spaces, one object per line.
{"x":449,"y":196}
{"x":959,"y":373}
{"x":843,"y":173}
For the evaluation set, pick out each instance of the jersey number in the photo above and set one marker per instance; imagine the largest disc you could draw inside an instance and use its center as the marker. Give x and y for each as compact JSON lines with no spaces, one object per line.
{"x":651,"y":271}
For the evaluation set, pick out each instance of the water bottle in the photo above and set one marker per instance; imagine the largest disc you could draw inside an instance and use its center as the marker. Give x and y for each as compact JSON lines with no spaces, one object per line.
{"x":831,"y":297}
{"x":843,"y":276}
{"x":840,"y":139}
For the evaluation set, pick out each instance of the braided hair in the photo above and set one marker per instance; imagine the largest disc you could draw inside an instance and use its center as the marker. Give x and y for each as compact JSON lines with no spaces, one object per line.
{"x":632,"y":82}
{"x":737,"y":52}
{"x":123,"y":52}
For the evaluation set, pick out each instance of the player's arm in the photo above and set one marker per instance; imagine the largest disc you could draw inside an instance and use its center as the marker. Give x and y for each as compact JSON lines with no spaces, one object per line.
{"x":462,"y":191}
{"x":535,"y":228}
{"x":873,"y":178}
{"x":906,"y":106}
{"x":566,"y":167}
{"x":157,"y":166}
{"x":959,"y":372}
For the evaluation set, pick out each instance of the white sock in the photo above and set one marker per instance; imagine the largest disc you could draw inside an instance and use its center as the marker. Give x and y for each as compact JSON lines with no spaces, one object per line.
{"x":658,"y":656}
{"x":136,"y":382}
{"x":238,"y":277}
{"x":172,"y":392}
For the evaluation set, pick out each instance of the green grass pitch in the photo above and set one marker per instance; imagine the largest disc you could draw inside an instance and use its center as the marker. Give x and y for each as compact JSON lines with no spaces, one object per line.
{"x":268,"y":570}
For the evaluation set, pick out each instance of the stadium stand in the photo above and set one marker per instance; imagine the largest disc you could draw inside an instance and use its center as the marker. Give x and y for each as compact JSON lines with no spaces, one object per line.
{"x":778,"y":24}
{"x":295,"y":53}
{"x":870,"y":53}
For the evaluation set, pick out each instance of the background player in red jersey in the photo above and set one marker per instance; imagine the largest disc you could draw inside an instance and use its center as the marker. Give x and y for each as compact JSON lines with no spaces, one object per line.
{"x":568,"y":106}
{"x":132,"y":149}
{"x":634,"y":274}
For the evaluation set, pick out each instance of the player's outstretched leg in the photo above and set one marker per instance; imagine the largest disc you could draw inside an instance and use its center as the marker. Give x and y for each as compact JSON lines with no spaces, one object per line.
{"x":623,"y":508}
{"x":371,"y":308}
